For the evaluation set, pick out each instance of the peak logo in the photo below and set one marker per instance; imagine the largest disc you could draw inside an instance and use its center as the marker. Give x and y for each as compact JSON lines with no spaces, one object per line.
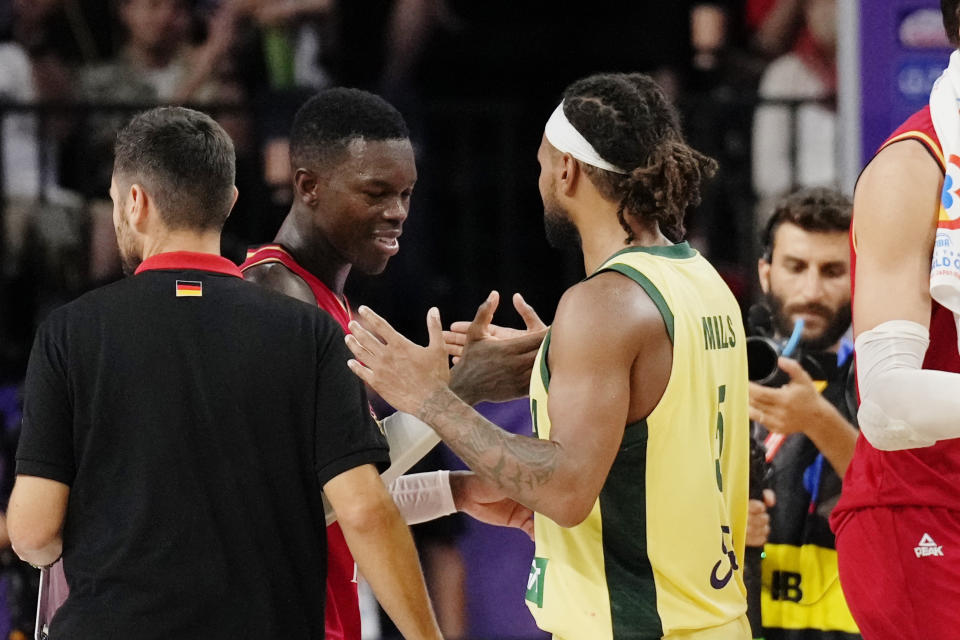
{"x":927,"y":547}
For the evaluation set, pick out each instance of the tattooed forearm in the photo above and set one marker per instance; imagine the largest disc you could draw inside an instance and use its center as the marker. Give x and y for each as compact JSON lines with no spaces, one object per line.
{"x":519,"y":465}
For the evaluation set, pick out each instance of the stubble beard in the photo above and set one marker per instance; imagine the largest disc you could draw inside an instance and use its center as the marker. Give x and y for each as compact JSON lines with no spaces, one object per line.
{"x":129,"y":255}
{"x":560,"y":231}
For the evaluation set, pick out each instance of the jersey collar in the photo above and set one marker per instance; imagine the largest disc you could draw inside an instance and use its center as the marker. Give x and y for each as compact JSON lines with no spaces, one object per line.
{"x":189,"y":261}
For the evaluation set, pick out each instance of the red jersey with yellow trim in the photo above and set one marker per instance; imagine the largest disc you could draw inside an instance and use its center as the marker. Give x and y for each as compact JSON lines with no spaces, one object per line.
{"x":929,"y":476}
{"x":342,"y":611}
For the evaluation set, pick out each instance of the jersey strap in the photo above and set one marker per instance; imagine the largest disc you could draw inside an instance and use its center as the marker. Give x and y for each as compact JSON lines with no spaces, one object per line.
{"x":326,"y":299}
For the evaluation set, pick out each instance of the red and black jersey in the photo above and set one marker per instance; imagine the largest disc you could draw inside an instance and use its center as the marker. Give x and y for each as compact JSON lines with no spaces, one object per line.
{"x":914,"y":477}
{"x":326,"y":299}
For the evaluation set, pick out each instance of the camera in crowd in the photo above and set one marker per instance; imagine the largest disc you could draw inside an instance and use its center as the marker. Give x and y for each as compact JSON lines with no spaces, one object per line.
{"x":763,"y":350}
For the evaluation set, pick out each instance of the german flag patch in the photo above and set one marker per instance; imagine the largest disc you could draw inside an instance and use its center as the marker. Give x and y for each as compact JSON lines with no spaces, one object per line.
{"x":189,"y":288}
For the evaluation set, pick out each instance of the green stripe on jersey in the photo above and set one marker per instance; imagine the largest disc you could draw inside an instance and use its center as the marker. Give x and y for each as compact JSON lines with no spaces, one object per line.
{"x":623,"y":510}
{"x":544,"y":368}
{"x":679,"y":251}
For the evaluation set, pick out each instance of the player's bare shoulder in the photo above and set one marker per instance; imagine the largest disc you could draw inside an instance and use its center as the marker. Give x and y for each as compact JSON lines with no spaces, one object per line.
{"x":897,"y":199}
{"x":901,"y":162}
{"x":278,"y":277}
{"x":609,"y":324}
{"x":903,"y":175}
{"x":610,"y":307}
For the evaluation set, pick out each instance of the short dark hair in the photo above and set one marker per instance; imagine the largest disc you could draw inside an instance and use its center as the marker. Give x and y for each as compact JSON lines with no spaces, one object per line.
{"x":326,"y":124}
{"x":814,"y":209}
{"x":951,"y":19}
{"x":632,"y":125}
{"x":185,"y":160}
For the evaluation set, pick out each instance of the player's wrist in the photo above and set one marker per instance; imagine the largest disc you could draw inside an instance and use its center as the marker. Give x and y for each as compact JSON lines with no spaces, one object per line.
{"x":434,"y":402}
{"x":461,"y":388}
{"x":459,"y":487}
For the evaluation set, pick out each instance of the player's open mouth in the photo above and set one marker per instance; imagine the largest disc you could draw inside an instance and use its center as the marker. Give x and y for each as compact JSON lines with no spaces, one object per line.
{"x":388,"y":240}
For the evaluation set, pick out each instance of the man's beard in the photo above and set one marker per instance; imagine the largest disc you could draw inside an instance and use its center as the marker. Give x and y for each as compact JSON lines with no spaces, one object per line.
{"x":837,"y":321}
{"x":560,"y":230}
{"x":129,"y":256}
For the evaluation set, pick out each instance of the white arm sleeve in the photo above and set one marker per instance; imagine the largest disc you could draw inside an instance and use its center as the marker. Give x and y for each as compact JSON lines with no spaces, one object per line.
{"x":903,"y":406}
{"x":423,"y":496}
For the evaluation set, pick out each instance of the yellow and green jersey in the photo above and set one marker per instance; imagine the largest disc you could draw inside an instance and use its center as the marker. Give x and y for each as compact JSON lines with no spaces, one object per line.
{"x":659,"y":555}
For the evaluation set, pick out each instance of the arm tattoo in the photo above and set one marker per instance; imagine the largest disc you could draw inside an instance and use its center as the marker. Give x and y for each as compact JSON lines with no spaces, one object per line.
{"x":519,"y":465}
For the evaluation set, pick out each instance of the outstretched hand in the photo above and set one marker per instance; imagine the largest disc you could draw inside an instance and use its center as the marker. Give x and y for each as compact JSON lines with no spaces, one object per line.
{"x":462,"y":332}
{"x":491,"y":362}
{"x":403,"y":373}
{"x":486,"y":503}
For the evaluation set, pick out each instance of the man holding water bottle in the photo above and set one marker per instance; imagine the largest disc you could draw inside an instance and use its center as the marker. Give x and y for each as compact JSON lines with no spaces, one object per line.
{"x":804,"y":273}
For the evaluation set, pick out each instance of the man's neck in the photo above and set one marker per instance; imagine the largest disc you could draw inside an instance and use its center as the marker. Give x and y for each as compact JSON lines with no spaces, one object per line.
{"x":313,"y":251}
{"x":600,"y":241}
{"x":205,"y":242}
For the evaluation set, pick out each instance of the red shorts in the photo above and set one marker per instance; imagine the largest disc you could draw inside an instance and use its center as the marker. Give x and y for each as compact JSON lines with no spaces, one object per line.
{"x":900,"y":571}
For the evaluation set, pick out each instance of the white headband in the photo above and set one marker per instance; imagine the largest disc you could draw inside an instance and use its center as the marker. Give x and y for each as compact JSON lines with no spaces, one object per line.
{"x":566,"y":139}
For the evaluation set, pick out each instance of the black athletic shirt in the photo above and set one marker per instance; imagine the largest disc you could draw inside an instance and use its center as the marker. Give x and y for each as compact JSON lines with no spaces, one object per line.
{"x":196,"y":418}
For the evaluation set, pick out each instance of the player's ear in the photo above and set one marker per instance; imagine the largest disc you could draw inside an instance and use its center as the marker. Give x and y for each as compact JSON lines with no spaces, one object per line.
{"x":763,"y":272}
{"x":570,"y":174}
{"x":139,"y":205}
{"x":306,"y":186}
{"x":233,"y":203}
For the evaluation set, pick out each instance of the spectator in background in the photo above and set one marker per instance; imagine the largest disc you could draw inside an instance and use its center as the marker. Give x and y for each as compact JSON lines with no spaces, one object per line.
{"x":796,"y":148}
{"x":806,"y":424}
{"x":29,"y":155}
{"x":774,"y":25}
{"x":290,"y":42}
{"x":42,"y":241}
{"x":70,"y":31}
{"x":21,"y":152}
{"x":156,"y":64}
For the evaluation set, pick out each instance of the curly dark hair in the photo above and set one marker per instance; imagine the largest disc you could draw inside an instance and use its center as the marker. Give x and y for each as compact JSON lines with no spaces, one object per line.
{"x":327,"y":122}
{"x":812,"y":209}
{"x":632,"y":125}
{"x":951,"y":19}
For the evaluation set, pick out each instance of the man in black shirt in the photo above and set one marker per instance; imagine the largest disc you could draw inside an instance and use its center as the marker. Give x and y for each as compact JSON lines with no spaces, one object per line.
{"x":184,"y":491}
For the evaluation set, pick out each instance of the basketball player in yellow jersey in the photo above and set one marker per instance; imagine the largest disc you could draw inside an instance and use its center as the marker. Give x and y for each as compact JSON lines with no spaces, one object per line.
{"x":638,"y":468}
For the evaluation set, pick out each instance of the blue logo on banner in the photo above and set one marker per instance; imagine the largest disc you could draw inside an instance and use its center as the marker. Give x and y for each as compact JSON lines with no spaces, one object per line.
{"x":915,"y":79}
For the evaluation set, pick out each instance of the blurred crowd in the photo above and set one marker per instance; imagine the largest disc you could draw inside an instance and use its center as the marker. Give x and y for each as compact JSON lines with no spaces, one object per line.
{"x":755,"y":80}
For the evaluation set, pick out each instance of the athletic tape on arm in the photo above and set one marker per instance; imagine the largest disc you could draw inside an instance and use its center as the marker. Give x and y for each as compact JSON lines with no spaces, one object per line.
{"x":903,"y":406}
{"x":410,"y":439}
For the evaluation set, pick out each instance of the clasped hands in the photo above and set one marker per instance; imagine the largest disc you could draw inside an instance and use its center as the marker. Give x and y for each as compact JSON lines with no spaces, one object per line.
{"x":491,"y":362}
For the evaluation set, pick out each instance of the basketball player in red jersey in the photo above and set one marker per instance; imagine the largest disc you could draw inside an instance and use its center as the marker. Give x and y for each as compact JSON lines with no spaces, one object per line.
{"x":898,"y":519}
{"x":354,"y":173}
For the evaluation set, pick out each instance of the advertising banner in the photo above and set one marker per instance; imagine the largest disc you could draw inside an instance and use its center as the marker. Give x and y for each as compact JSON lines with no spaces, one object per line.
{"x":902,"y":51}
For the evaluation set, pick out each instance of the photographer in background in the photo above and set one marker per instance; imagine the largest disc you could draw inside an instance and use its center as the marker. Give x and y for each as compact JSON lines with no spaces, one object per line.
{"x":806,"y":424}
